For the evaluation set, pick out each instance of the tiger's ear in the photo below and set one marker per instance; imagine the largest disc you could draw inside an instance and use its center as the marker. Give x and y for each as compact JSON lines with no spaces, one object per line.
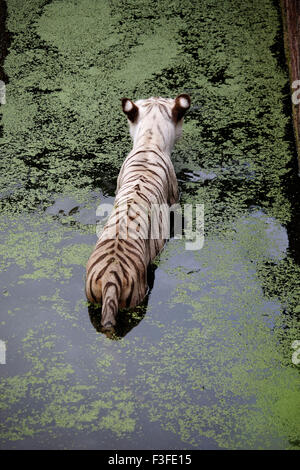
{"x":182,"y":104}
{"x":130,"y":109}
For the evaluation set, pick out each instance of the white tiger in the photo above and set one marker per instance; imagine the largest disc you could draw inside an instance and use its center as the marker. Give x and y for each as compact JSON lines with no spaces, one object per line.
{"x":117,"y":268}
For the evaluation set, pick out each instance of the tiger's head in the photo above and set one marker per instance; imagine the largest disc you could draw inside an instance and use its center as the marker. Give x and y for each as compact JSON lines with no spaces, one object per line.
{"x":156,"y":120}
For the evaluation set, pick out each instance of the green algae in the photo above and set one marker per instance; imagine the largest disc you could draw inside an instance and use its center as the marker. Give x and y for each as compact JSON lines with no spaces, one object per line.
{"x":210,"y":362}
{"x":62,"y":403}
{"x":234,"y":356}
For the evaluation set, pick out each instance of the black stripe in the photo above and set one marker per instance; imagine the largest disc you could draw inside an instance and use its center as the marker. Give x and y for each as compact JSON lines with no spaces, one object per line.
{"x":107,"y":285}
{"x":124,"y":273}
{"x":91,"y":288}
{"x":103,"y":270}
{"x":151,"y":183}
{"x":99,"y":259}
{"x":128,"y":300}
{"x":127,"y":242}
{"x":164,"y":110}
{"x":135,"y":265}
{"x":112,"y":304}
{"x":136,"y":254}
{"x":123,"y":260}
{"x":161,"y":132}
{"x":117,"y":278}
{"x":103,"y":242}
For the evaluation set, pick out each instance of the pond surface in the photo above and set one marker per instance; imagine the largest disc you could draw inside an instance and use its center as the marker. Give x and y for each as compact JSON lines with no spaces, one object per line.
{"x":207,"y":362}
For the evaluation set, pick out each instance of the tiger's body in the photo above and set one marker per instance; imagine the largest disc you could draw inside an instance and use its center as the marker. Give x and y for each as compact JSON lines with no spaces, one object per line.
{"x":116,"y":272}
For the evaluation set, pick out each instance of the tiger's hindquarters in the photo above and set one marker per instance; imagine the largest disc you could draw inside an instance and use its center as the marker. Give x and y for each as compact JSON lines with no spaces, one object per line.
{"x":110,"y":306}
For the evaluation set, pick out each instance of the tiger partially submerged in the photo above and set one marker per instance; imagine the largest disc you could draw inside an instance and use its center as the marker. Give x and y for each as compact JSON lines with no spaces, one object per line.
{"x":116,"y":272}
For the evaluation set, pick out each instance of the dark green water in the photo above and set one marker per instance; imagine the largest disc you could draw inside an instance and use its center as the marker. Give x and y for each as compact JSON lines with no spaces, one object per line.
{"x":208,"y":363}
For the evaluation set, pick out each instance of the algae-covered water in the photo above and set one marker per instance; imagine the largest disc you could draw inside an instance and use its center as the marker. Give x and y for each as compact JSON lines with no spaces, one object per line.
{"x":207,"y":364}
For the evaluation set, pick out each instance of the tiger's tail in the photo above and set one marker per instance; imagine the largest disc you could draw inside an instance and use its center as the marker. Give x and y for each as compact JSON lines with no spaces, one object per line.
{"x":110,"y":305}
